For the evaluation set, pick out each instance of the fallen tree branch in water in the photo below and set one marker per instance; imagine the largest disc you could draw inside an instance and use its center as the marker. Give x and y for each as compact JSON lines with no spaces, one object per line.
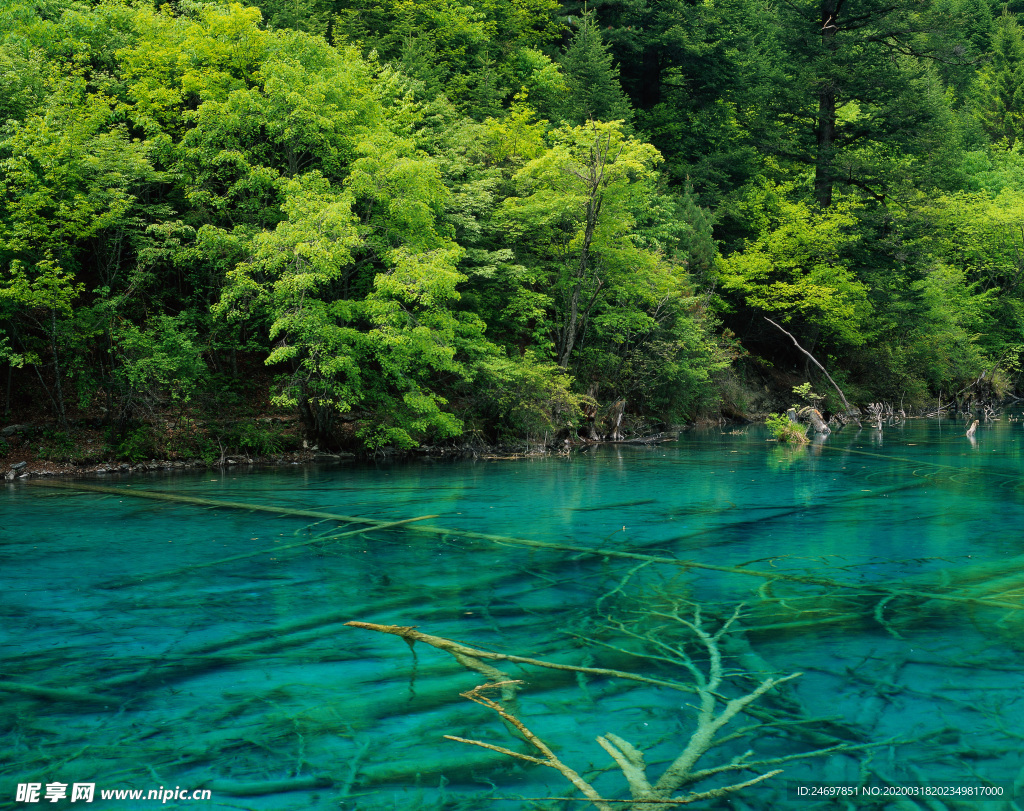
{"x":713,"y":713}
{"x":58,"y":694}
{"x":470,"y":657}
{"x":268,"y":551}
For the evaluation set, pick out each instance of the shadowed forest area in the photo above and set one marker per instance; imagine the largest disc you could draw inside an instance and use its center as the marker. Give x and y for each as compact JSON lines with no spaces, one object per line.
{"x":388,"y":224}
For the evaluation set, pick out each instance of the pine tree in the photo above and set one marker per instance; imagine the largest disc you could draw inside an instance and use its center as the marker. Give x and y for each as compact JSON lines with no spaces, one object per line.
{"x":1000,"y":87}
{"x":593,"y":79}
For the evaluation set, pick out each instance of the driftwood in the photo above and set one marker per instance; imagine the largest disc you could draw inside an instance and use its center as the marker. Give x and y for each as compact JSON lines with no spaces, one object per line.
{"x":205,"y":502}
{"x":586,"y":551}
{"x":651,"y":439}
{"x":471,"y":657}
{"x":237,"y":788}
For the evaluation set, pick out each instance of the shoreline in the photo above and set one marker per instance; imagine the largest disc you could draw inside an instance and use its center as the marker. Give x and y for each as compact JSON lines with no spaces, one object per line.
{"x":13,"y":468}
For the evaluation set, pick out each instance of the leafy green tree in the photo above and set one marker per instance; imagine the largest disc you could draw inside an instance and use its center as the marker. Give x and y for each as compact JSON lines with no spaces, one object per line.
{"x":153,"y":365}
{"x":577,"y":206}
{"x":800,"y":269}
{"x":387,"y":347}
{"x":36,"y":312}
{"x":944,"y":346}
{"x":470,"y":53}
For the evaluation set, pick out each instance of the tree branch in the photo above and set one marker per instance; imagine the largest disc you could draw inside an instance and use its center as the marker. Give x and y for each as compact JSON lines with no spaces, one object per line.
{"x":796,"y":343}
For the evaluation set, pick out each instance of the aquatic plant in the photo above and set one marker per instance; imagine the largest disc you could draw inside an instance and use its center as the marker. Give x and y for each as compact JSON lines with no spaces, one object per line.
{"x":785,"y":430}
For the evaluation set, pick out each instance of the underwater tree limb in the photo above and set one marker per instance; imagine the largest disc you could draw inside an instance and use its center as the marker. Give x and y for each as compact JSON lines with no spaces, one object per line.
{"x":57,"y":693}
{"x":713,"y":713}
{"x":131,"y":581}
{"x":501,"y":539}
{"x":237,"y":788}
{"x":550,"y":759}
{"x":467,"y":654}
{"x":207,"y":502}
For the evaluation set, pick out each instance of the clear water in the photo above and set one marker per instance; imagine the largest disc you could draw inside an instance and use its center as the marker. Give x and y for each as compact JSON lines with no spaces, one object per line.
{"x":240,"y":673}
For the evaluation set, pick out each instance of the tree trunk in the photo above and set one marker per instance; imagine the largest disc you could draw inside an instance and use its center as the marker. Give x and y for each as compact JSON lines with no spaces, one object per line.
{"x":827,"y":99}
{"x":61,"y":413}
{"x":813,"y":416}
{"x":582,"y":271}
{"x":617,"y":411}
{"x":577,"y":311}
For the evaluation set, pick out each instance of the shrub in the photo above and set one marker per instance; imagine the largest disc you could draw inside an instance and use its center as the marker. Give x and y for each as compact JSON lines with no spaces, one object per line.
{"x":785,"y":430}
{"x":138,"y":444}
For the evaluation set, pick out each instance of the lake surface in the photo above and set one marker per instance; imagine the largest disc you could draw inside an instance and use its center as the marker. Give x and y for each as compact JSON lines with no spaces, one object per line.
{"x":152,"y":644}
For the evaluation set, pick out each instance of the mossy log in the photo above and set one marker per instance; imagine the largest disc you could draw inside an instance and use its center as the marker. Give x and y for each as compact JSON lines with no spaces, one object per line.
{"x":270,"y":550}
{"x":238,"y":788}
{"x":459,"y":765}
{"x":59,"y":694}
{"x":947,"y":587}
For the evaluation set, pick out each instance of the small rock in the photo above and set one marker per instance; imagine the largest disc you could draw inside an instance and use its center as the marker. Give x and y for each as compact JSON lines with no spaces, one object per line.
{"x":13,"y":429}
{"x":19,"y":465}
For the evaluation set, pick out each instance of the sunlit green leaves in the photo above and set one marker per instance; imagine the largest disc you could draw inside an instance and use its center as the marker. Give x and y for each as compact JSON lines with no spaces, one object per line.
{"x":799,"y":267}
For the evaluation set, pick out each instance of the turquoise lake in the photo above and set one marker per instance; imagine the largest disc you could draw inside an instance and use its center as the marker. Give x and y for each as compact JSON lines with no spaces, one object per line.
{"x":152,"y":644}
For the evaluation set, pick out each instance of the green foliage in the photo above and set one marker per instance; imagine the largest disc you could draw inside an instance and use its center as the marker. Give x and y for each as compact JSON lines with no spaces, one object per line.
{"x":58,"y":446}
{"x":578,"y":205}
{"x":446,"y":214}
{"x":999,"y":88}
{"x":800,"y":267}
{"x":155,"y":365}
{"x":591,"y":78}
{"x":248,"y":437}
{"x":138,"y":444}
{"x":527,"y":397}
{"x":471,"y":53}
{"x":805,"y":393}
{"x":783,"y":429}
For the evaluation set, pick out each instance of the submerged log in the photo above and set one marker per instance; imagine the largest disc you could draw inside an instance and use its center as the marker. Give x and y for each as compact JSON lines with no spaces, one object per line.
{"x":652,"y":439}
{"x":272,"y":550}
{"x":237,"y":788}
{"x":206,"y":502}
{"x":57,"y":694}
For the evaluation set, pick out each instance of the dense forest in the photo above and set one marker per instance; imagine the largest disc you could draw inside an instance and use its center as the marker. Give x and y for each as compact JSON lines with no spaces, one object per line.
{"x":413,"y":222}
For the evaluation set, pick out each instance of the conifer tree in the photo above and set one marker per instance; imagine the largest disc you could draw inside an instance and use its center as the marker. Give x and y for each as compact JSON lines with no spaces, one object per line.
{"x":1000,"y":90}
{"x":593,"y":79}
